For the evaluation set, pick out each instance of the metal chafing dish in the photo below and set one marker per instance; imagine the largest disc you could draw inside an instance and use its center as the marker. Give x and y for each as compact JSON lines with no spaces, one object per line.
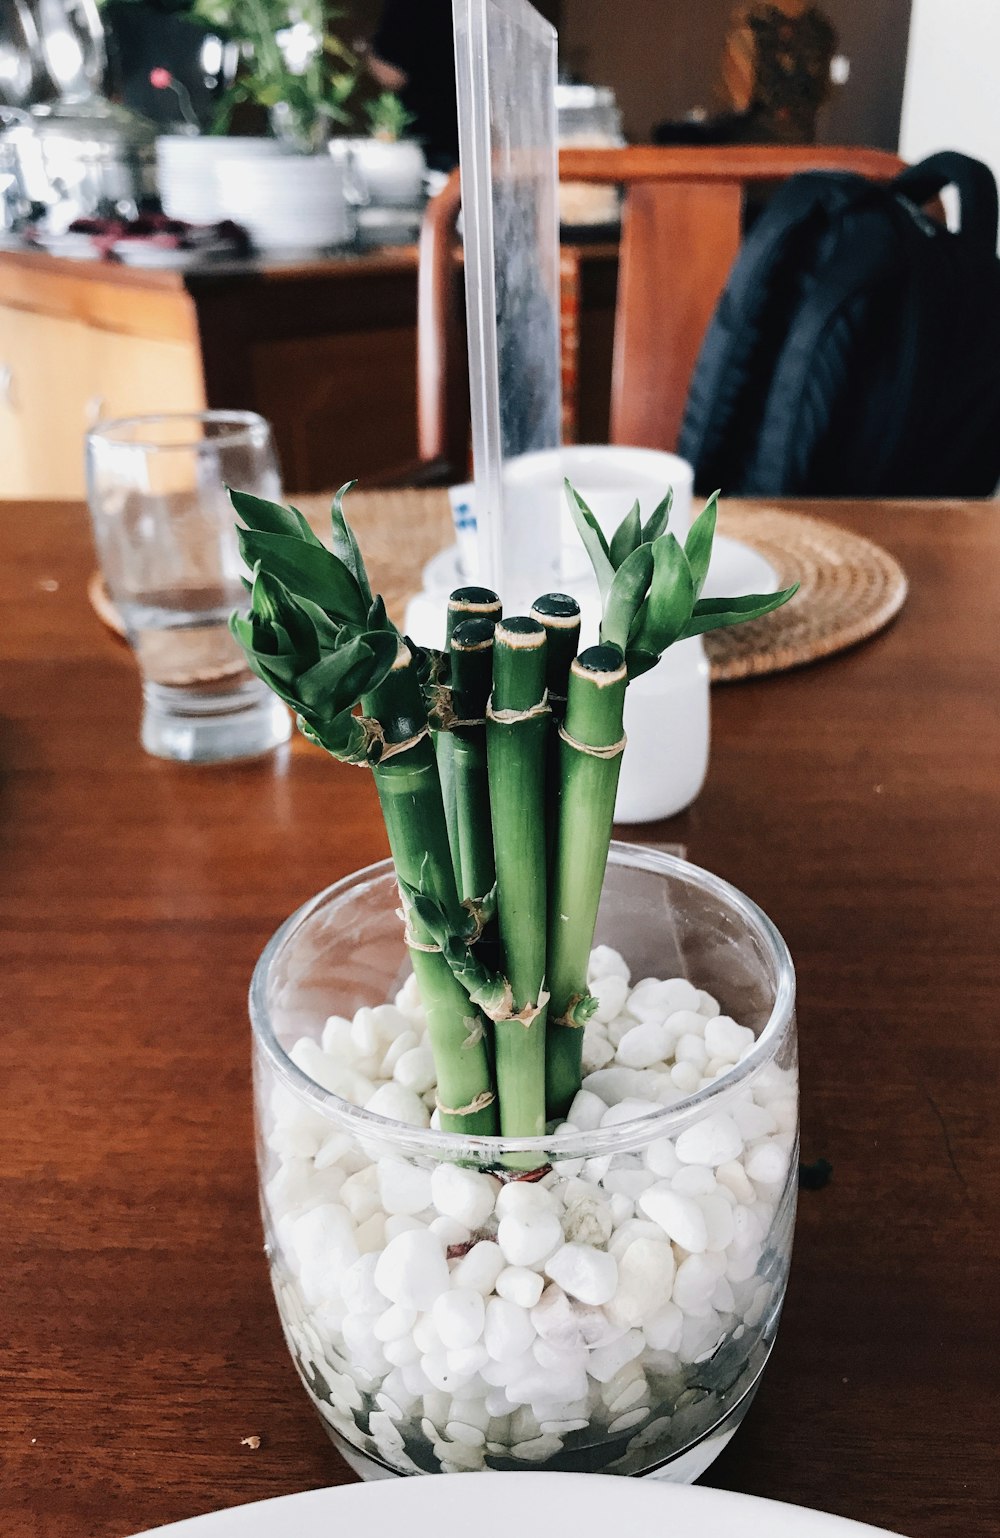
{"x":79,"y":154}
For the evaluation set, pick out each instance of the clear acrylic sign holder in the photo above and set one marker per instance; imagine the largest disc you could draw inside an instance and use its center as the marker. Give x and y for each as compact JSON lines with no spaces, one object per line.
{"x":506,"y":73}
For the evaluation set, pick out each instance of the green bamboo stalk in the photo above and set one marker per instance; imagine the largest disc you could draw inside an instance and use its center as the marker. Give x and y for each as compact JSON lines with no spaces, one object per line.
{"x":465,"y":603}
{"x":471,"y":681}
{"x":591,"y":745}
{"x":516,"y":736}
{"x":560,"y":614}
{"x":409,"y":791}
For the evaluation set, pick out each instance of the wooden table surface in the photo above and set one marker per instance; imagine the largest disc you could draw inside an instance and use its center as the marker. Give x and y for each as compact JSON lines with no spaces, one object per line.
{"x":857,"y":801}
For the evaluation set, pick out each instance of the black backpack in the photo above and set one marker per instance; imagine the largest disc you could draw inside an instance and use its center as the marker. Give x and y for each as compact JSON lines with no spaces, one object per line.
{"x":856,"y":348}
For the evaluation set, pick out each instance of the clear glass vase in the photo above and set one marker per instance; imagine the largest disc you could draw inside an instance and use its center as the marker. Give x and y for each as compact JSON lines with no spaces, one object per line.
{"x":629,"y":1333}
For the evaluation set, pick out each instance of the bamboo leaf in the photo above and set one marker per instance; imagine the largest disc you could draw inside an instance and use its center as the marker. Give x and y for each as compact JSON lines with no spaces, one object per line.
{"x":660,"y":517}
{"x":639,"y":662}
{"x":270,"y":518}
{"x":345,"y":546}
{"x":667,"y":609}
{"x":308,"y":571}
{"x":628,"y":592}
{"x":337,"y":681}
{"x":594,"y":542}
{"x":717,"y":613}
{"x":627,"y":537}
{"x":698,"y":545}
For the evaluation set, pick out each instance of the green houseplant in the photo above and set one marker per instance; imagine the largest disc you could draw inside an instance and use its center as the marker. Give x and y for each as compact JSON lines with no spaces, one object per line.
{"x":577,"y":1257}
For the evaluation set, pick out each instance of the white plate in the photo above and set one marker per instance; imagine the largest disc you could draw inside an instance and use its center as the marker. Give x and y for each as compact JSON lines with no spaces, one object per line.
{"x":530,"y":1505}
{"x":736,"y":569}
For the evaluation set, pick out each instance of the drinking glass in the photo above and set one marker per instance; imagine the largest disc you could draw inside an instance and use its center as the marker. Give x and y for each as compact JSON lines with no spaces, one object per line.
{"x":165,"y":534}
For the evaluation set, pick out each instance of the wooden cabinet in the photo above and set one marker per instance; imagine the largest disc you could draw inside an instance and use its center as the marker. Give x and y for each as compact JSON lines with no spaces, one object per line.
{"x":326,"y":350}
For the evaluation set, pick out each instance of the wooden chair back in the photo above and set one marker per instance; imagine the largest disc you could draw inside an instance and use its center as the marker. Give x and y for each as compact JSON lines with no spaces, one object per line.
{"x":681,"y":229}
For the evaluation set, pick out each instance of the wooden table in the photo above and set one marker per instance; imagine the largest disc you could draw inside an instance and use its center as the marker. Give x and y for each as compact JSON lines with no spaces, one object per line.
{"x":857,"y":801}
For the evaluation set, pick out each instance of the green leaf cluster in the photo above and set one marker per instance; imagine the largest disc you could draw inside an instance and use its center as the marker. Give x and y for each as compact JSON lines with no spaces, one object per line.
{"x":314,"y":633}
{"x":651,"y":585}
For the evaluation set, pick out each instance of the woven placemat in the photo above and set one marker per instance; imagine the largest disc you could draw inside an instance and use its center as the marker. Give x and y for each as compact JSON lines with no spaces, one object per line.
{"x":849,"y":588}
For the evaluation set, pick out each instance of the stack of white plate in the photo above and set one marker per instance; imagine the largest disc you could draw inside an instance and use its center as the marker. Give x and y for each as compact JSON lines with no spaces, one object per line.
{"x":188,"y":168}
{"x":287,"y":203}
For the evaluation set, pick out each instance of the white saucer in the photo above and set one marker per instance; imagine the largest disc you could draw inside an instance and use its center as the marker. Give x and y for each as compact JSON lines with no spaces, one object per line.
{"x":736,"y":568}
{"x":532,"y":1505}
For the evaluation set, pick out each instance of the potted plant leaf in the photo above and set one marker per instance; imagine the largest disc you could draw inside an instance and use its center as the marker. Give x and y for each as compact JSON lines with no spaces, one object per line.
{"x":294,"y":66}
{"x":526,"y":1097}
{"x":390,"y":165}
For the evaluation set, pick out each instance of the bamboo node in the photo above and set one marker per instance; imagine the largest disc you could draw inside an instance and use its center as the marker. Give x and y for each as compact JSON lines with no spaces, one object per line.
{"x":390,"y":749}
{"x":612,"y":751}
{"x":483,"y":1099}
{"x":569,"y":1018}
{"x":512,"y":717}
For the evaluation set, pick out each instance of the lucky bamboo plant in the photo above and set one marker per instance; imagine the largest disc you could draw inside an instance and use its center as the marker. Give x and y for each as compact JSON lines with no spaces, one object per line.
{"x":496,"y":764}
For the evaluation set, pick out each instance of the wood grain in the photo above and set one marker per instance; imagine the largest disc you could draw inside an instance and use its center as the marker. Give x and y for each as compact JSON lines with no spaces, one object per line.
{"x":855,"y":800}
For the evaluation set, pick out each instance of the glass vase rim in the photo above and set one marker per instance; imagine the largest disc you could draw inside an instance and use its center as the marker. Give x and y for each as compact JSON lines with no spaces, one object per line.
{"x":489,"y":1152}
{"x":244,"y":425}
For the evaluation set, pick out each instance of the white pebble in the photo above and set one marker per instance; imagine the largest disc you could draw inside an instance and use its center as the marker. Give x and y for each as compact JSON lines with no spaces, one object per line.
{"x":679,"y":1216}
{"x":459,"y":1316}
{"x":415,"y":1069}
{"x":644,"y":1045}
{"x":358,"y":1289}
{"x":692,"y":1050}
{"x":403,"y":1187}
{"x":537,"y":1449}
{"x":718,"y":1221}
{"x":605,"y":1362}
{"x":396,"y":1322}
{"x":337,"y":1077}
{"x":631,"y":1230}
{"x":629,"y":1109}
{"x":518,"y":1197}
{"x":767,"y":1162}
{"x":529,"y":1239}
{"x":663,"y":1330}
{"x":686,"y":1077}
{"x":337,"y":1039}
{"x":586,"y":1111}
{"x":585,"y":1273}
{"x":713,"y":1140}
{"x":605,"y":962}
{"x":661,"y":1157}
{"x":509,"y":1331}
{"x":734,"y":1178}
{"x":645,"y":1277}
{"x":465,"y":1195}
{"x":597,"y":1049}
{"x":397,"y":1103}
{"x":365,"y":1033}
{"x":370,"y":1235}
{"x":412,"y":1270}
{"x":610,"y":993}
{"x":402,"y":1043}
{"x":693,"y":1180}
{"x":652,"y":1000}
{"x":614,"y":1084}
{"x":519,"y":1285}
{"x":629,"y":1419}
{"x":727,"y":1040}
{"x":694,"y":1282}
{"x":468,"y":1359}
{"x":450,"y":1231}
{"x":480,"y":1267}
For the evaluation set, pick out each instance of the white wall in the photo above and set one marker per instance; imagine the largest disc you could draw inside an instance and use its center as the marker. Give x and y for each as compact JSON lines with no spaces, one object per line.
{"x":951,"y":99}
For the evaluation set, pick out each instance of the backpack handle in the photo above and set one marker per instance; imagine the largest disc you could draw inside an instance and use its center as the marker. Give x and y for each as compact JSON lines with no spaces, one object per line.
{"x":977,"y":191}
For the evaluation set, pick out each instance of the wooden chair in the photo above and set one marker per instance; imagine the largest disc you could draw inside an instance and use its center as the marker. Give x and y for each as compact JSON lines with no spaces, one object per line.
{"x":681,"y":229}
